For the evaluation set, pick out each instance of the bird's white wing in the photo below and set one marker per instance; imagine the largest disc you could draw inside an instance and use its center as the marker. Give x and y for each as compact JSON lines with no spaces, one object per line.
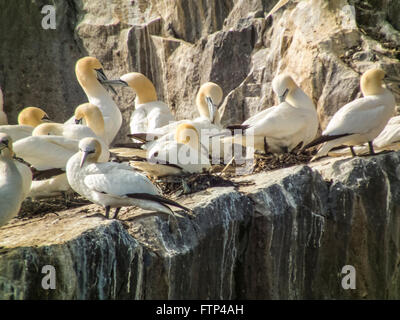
{"x":253,"y":119}
{"x":77,"y":131}
{"x":17,"y":132}
{"x":358,"y":116}
{"x":46,"y":152}
{"x":138,"y":122}
{"x":111,"y":178}
{"x":283,"y":121}
{"x":158,"y":115}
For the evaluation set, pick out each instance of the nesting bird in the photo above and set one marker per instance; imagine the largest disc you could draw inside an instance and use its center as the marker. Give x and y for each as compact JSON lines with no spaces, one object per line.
{"x":92,"y":79}
{"x":94,"y":128}
{"x":181,"y":154}
{"x":113,"y":185}
{"x":28,"y":119}
{"x":52,"y":144}
{"x":361,"y":120}
{"x":281,"y":128}
{"x":12,"y":184}
{"x":207,"y":99}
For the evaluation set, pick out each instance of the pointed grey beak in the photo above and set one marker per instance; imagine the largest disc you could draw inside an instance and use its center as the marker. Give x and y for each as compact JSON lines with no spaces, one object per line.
{"x":282,"y":98}
{"x":101,"y":77}
{"x":116,"y":82}
{"x":84,"y":157}
{"x":212,"y":109}
{"x":46,"y":118}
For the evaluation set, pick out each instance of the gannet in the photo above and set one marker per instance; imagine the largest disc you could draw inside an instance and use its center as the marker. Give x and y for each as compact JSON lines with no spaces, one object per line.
{"x":28,"y":119}
{"x":361,"y":120}
{"x":11,"y":183}
{"x":94,"y":128}
{"x":52,"y":144}
{"x":208,"y":98}
{"x":281,"y":128}
{"x":90,"y":75}
{"x":180,"y":155}
{"x":388,"y":139}
{"x":113,"y":185}
{"x":3,"y":116}
{"x":149,"y":113}
{"x":46,"y":152}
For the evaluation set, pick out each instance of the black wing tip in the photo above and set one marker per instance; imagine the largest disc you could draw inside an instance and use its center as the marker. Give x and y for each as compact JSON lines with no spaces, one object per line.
{"x":326,"y":138}
{"x":45,"y":174}
{"x":131,"y":145}
{"x":142,"y":137}
{"x":163,"y":200}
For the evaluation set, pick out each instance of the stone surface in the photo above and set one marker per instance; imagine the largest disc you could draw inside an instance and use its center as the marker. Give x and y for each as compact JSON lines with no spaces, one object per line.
{"x":324,"y":45}
{"x":287,"y":236}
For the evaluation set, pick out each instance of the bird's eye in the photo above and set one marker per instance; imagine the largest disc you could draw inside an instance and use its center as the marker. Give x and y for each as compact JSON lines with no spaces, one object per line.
{"x":156,"y":154}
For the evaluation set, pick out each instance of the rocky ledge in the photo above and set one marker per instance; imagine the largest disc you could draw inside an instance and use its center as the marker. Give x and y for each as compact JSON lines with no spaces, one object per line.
{"x":286,"y":236}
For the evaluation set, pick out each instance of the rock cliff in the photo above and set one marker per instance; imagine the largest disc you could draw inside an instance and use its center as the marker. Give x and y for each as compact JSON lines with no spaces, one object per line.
{"x":287,"y":235}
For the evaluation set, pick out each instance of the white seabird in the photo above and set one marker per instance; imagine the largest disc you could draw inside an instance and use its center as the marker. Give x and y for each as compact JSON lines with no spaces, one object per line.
{"x":182,"y":154}
{"x":281,"y":128}
{"x":11,"y":182}
{"x":91,"y":77}
{"x":113,"y":185}
{"x":28,"y":119}
{"x":361,"y":120}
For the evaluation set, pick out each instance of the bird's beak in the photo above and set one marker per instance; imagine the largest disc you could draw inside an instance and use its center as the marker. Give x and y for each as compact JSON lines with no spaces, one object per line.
{"x":282,"y":98}
{"x":116,"y":82}
{"x":3,"y":145}
{"x":78,"y":121}
{"x":84,"y":157}
{"x":212,"y":109}
{"x":108,"y":84}
{"x":46,"y":118}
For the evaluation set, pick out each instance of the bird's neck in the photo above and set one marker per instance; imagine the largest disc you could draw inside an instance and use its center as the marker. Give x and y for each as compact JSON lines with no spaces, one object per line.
{"x":91,"y":85}
{"x":297,"y":98}
{"x":374,"y":91}
{"x":202,"y":107}
{"x":145,"y":96}
{"x":96,"y":124}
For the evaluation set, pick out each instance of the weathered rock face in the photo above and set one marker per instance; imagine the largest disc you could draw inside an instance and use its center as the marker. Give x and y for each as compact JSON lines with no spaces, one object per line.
{"x":288,"y":236}
{"x":179,"y":45}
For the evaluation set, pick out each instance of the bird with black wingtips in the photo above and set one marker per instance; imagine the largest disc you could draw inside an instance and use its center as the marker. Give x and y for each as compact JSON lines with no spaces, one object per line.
{"x":180,"y":154}
{"x":361,"y":120}
{"x":281,"y":128}
{"x":113,"y":185}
